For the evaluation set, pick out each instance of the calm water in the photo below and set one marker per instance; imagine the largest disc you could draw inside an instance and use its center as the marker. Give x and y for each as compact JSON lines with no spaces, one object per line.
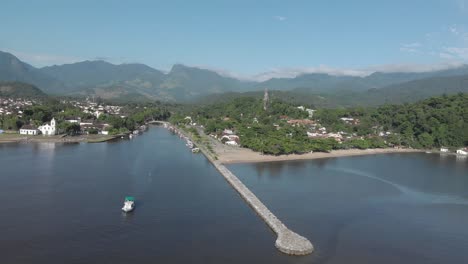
{"x":394,"y":208}
{"x":61,"y":204}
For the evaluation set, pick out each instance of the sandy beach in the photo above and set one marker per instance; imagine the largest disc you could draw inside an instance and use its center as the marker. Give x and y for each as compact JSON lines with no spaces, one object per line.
{"x":227,"y":154}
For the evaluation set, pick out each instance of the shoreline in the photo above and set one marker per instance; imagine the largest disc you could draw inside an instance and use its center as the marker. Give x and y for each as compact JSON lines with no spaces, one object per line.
{"x":16,"y":138}
{"x":225,"y":154}
{"x":233,"y":155}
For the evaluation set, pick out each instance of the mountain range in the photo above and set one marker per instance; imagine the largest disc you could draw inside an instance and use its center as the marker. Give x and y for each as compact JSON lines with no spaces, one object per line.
{"x":183,"y":83}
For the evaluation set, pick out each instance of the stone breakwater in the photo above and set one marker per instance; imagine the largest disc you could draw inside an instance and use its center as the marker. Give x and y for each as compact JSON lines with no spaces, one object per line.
{"x":287,"y":242}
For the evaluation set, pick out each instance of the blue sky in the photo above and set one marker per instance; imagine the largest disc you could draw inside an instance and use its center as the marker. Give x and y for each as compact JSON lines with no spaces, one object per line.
{"x":241,"y":38}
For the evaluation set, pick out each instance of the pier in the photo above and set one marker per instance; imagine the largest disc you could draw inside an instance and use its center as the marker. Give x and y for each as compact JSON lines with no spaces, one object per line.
{"x":287,"y":241}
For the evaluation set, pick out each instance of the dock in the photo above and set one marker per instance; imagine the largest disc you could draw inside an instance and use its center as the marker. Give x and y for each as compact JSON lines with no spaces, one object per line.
{"x":287,"y":241}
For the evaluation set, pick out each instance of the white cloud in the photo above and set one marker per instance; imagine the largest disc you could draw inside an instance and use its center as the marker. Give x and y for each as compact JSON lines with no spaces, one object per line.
{"x":411,"y":47}
{"x":462,"y":5}
{"x":416,"y":67}
{"x":459,"y":33}
{"x":457,"y":52}
{"x":280,"y":18}
{"x":360,"y":72}
{"x":294,"y":72}
{"x":43,"y":59}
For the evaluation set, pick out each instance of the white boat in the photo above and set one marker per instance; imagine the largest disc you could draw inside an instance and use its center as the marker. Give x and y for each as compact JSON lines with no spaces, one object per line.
{"x":195,"y":150}
{"x":129,"y":204}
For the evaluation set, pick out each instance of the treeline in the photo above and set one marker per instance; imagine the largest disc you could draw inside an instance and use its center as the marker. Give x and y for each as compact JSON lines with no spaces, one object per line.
{"x":136,"y":116}
{"x":435,"y":122}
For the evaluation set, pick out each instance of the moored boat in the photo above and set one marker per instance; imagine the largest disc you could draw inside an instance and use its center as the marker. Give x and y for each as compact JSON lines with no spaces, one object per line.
{"x":129,"y":204}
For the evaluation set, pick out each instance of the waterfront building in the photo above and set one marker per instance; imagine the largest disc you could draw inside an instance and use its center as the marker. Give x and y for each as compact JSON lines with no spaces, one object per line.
{"x":29,"y":130}
{"x":48,"y":129}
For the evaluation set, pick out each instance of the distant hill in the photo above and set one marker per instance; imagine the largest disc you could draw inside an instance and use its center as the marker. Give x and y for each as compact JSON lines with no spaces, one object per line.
{"x":90,"y":74}
{"x":406,"y":92}
{"x":12,"y":69}
{"x":111,"y":81}
{"x":184,"y":84}
{"x":18,"y":89}
{"x":324,"y":83}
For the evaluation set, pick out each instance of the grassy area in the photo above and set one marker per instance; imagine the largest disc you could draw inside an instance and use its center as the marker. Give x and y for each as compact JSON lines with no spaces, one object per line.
{"x":99,"y":138}
{"x":57,"y":138}
{"x":9,"y":137}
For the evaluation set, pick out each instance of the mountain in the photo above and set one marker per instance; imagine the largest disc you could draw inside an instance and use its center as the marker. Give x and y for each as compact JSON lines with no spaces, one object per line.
{"x":406,"y":92}
{"x":314,"y":82}
{"x":182,"y":83}
{"x":19,"y":89}
{"x":117,"y":81}
{"x":90,"y":74}
{"x":417,"y":90}
{"x":12,"y":69}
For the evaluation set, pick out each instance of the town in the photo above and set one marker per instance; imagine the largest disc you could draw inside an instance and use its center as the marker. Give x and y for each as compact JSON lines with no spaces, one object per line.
{"x":72,"y":117}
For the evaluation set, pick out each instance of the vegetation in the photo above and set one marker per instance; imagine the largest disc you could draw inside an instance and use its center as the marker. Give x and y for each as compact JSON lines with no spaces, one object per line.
{"x":434,"y":122}
{"x":19,"y":89}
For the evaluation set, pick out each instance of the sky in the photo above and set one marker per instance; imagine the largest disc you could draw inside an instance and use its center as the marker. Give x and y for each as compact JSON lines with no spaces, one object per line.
{"x":245,"y":39}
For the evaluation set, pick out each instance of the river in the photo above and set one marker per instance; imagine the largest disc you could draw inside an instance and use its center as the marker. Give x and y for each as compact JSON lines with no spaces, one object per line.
{"x":61,"y":204}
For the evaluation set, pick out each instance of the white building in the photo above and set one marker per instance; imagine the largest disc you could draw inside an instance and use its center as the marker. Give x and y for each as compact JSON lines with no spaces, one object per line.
{"x":73,"y":120}
{"x":444,"y":150}
{"x":29,"y":130}
{"x":48,"y":129}
{"x":232,"y":143}
{"x":462,"y":152}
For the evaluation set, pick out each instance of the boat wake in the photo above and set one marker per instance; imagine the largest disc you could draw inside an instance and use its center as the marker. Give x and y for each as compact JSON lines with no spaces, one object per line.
{"x":409,"y":193}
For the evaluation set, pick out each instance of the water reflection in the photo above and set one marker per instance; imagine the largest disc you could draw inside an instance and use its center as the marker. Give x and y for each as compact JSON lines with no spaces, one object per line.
{"x":277,"y":169}
{"x":461,"y":158}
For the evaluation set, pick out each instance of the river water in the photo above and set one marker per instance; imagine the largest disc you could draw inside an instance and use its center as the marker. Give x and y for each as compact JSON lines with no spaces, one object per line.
{"x":61,"y":204}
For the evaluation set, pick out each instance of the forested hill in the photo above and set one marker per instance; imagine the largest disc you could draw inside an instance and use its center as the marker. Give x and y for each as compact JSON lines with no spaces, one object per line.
{"x":139,"y":82}
{"x":434,"y":122}
{"x":19,"y":89}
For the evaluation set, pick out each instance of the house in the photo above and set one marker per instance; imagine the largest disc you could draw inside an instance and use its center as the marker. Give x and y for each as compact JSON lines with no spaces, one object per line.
{"x":73,"y":119}
{"x":232,"y":143}
{"x":228,"y":132}
{"x":48,"y":129}
{"x":350,"y":120}
{"x":86,"y":122}
{"x":300,"y":122}
{"x":227,"y":138}
{"x":442,"y":149}
{"x":29,"y":130}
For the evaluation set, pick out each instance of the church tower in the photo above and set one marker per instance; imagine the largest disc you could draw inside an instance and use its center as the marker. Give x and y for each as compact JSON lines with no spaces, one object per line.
{"x":266,"y":100}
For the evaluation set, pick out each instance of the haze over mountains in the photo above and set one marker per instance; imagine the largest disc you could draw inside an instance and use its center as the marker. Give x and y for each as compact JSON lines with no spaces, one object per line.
{"x":183,"y":83}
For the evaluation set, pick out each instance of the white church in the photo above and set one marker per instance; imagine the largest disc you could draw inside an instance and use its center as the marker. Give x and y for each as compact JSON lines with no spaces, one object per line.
{"x":48,"y":129}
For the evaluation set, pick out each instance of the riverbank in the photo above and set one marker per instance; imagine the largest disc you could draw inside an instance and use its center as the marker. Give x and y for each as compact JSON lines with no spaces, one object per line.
{"x":229,"y":155}
{"x":12,"y":138}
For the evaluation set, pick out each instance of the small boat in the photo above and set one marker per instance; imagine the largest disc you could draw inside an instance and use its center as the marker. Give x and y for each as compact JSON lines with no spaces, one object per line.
{"x":129,"y":204}
{"x":195,"y":150}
